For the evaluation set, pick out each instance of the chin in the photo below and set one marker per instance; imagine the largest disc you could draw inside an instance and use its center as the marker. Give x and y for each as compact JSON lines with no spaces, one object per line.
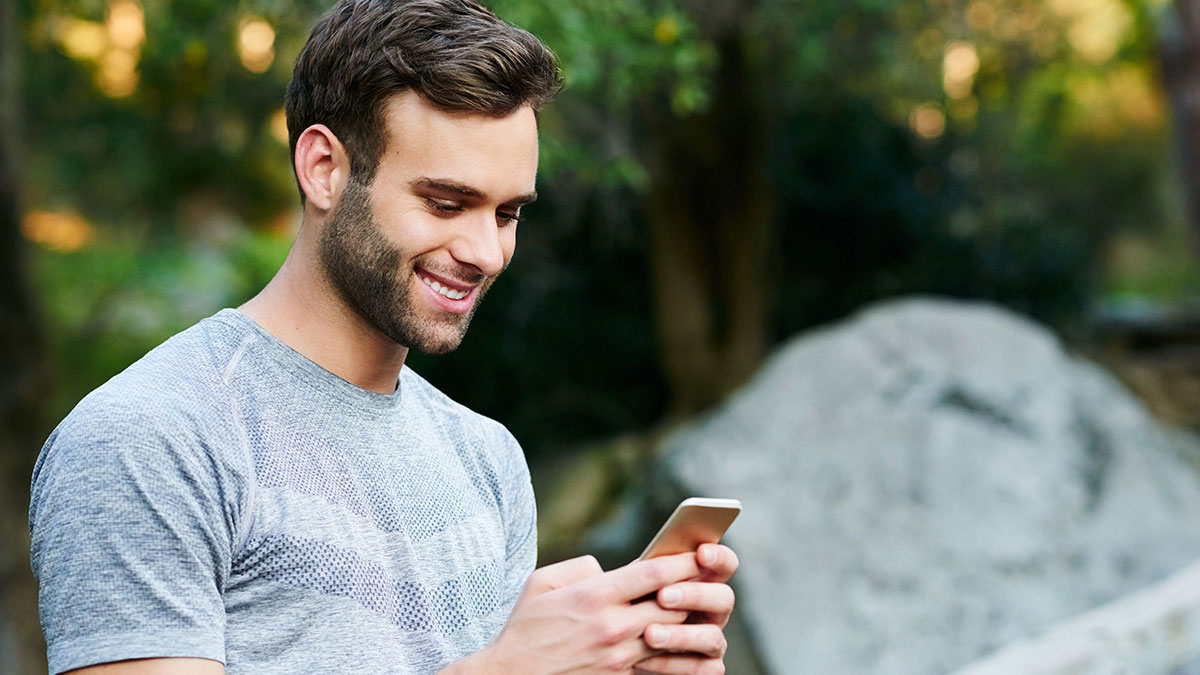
{"x":426,"y":341}
{"x":437,"y":348}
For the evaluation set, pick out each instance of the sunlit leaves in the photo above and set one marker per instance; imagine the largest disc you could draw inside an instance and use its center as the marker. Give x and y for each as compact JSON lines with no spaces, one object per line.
{"x":616,"y":55}
{"x":110,"y":47}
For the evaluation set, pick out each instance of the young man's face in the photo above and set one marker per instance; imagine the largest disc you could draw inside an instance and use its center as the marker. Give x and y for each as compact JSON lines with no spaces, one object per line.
{"x":415,"y":251}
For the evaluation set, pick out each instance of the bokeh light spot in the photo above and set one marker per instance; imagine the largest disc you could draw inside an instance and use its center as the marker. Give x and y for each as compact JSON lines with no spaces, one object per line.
{"x":256,"y":44}
{"x":80,"y":39}
{"x":1097,"y":26}
{"x":928,"y":121}
{"x":960,"y":64}
{"x":117,"y":75}
{"x":126,"y":24}
{"x":981,"y":15}
{"x":63,"y":231}
{"x":666,"y":30}
{"x":278,"y":126}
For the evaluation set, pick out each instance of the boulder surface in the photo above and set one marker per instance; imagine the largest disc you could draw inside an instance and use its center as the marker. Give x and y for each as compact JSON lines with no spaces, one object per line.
{"x":929,"y":481}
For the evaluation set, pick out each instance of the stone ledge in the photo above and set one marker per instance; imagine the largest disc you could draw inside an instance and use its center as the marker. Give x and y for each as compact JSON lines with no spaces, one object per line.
{"x":1154,"y":631}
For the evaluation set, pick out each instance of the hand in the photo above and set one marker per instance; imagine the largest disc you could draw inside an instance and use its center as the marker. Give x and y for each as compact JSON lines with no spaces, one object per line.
{"x":572,"y":617}
{"x":698,"y":646}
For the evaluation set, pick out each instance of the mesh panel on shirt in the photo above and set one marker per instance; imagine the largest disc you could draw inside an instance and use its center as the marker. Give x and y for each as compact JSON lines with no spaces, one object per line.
{"x":325,"y":568}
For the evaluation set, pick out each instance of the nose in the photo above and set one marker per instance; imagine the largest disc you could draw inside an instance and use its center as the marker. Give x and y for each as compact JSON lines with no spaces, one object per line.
{"x":483,"y":244}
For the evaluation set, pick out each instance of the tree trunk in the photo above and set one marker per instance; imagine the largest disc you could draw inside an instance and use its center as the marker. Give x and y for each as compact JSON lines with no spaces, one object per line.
{"x":709,"y":215}
{"x":23,"y":378}
{"x":1179,"y":49}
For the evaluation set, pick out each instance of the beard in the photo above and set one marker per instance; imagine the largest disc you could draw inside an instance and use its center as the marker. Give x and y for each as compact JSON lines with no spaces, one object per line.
{"x":370,"y":275}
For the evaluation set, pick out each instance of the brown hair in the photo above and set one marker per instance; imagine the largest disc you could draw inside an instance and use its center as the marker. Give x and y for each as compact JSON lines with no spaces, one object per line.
{"x":457,"y":55}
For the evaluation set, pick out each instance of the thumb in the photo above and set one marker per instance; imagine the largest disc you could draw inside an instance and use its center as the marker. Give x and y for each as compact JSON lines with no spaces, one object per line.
{"x":561,"y":574}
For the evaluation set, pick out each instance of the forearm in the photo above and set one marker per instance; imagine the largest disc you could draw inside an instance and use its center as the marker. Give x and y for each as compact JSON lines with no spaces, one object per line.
{"x":483,"y":662}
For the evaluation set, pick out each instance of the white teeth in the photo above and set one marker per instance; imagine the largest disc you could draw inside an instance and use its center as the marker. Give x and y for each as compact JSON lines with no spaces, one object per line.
{"x":444,"y":290}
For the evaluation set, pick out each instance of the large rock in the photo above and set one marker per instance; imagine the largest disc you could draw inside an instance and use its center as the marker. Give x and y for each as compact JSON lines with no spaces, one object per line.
{"x":930,"y":481}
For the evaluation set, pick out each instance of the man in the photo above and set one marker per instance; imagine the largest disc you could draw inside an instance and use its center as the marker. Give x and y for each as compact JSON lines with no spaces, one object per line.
{"x":272,"y":491}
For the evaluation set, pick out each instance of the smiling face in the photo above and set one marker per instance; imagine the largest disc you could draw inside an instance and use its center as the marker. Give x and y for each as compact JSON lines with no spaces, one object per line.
{"x":414,"y":252}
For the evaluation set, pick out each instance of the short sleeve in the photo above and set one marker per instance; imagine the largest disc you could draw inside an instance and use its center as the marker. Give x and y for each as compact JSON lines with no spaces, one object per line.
{"x":132,"y":525}
{"x":520,"y":518}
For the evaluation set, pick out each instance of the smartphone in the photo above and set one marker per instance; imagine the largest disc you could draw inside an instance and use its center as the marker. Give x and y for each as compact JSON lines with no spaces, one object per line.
{"x":697,"y":520}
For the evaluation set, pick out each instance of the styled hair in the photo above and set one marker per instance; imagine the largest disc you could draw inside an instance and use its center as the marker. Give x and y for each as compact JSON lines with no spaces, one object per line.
{"x":457,"y":55}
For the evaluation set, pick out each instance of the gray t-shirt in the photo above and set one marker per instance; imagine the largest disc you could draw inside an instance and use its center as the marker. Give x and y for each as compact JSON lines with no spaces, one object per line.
{"x":227,"y":498}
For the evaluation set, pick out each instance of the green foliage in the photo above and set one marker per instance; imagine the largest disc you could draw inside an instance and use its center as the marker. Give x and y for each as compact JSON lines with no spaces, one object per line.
{"x":195,"y":129}
{"x":1056,"y":144}
{"x":889,"y":176}
{"x":616,"y":55}
{"x":110,"y":303}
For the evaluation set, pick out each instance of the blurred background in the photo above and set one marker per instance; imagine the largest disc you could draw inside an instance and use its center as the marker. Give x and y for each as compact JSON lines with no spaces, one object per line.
{"x":718,"y":178}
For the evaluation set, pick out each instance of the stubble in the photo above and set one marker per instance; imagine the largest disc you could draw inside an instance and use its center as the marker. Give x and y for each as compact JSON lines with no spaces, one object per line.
{"x":372,"y":276}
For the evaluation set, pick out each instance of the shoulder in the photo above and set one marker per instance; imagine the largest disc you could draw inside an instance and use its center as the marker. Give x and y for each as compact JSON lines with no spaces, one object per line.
{"x":168,"y":402}
{"x":182,"y":377}
{"x":136,"y":507}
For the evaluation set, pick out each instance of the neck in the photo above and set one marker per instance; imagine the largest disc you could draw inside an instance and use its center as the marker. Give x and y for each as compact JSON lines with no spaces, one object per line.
{"x":302,"y":310}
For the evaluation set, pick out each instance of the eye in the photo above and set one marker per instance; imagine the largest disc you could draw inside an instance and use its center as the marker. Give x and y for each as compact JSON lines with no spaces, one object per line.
{"x":510,"y":217}
{"x":443,"y":208}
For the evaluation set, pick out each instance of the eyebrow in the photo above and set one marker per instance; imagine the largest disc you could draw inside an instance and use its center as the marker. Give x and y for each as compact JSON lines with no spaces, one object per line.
{"x":463,"y":190}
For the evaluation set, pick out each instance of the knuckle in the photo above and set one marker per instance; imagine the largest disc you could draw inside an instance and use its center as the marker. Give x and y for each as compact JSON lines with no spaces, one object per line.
{"x":590,"y":597}
{"x":617,"y":660}
{"x":721,"y":646}
{"x":609,"y":632}
{"x":713,"y":668}
{"x":711,"y":642}
{"x":656,"y":574}
{"x":727,"y":595}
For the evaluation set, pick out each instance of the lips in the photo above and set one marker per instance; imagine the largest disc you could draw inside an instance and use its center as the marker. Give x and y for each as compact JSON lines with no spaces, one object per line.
{"x":443,"y":289}
{"x":449,"y":295}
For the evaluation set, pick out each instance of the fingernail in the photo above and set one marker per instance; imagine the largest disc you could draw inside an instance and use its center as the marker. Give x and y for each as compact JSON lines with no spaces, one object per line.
{"x":707,"y":555}
{"x":671,"y":596}
{"x":656,"y":636}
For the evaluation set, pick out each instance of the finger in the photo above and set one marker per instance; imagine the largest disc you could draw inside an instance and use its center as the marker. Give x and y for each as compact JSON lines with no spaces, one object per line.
{"x":719,"y":562}
{"x":679,"y":664}
{"x":619,"y":630}
{"x":646,"y":613}
{"x":704,"y":639}
{"x":562,"y":574}
{"x":622,"y":626}
{"x":698,"y":596}
{"x":643,"y":577}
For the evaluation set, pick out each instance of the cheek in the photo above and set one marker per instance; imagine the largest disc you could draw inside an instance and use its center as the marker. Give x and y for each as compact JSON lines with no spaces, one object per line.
{"x":508,"y":242}
{"x":411,"y":229}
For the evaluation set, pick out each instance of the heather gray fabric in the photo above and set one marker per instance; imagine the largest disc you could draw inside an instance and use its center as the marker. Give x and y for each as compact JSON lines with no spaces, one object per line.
{"x":227,"y":498}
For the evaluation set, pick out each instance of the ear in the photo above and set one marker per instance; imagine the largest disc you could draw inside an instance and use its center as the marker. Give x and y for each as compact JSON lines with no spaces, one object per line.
{"x":322,"y":166}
